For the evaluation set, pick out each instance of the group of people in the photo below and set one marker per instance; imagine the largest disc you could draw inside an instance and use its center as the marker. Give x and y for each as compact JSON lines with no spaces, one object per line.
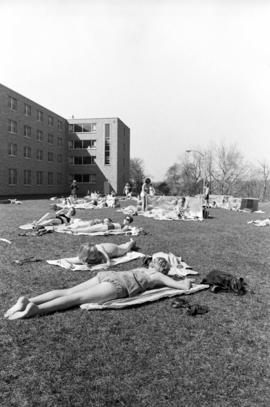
{"x":106,"y":285}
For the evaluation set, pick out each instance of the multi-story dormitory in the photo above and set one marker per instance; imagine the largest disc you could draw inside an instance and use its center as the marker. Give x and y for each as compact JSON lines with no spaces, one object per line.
{"x":42,"y":152}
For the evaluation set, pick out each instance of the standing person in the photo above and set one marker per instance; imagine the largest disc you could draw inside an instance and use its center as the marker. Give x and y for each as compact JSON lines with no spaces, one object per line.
{"x":145,"y":192}
{"x":206,"y":193}
{"x":73,"y":189}
{"x":105,"y":286}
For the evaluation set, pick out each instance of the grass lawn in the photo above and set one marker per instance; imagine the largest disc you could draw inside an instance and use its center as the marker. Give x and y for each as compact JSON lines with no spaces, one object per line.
{"x":152,"y":355}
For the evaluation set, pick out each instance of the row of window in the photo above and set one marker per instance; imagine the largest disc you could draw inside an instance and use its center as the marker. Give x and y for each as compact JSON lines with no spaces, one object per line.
{"x":28,"y":177}
{"x":13,"y":105}
{"x":84,"y":178}
{"x":107,"y":144}
{"x":82,"y":160}
{"x":82,"y":128}
{"x":27,"y":132}
{"x":75,"y":144}
{"x":27,"y":153}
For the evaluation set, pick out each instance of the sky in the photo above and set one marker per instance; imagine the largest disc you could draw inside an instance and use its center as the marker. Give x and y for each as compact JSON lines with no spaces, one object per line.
{"x":182,"y":74}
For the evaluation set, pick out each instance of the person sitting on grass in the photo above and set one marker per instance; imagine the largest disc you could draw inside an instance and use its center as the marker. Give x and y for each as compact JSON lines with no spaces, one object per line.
{"x":104,"y":226}
{"x":63,"y":216}
{"x":101,"y":253}
{"x":105,"y":286}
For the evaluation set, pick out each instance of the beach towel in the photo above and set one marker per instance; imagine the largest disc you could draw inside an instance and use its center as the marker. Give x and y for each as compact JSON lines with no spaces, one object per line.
{"x":147,"y":296}
{"x":64,"y":263}
{"x":132,"y":231}
{"x":178,"y":266}
{"x":263,"y":222}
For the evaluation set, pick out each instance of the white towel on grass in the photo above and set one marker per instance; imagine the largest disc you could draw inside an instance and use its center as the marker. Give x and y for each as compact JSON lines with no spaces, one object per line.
{"x":64,"y":263}
{"x":132,"y":231}
{"x":147,"y":296}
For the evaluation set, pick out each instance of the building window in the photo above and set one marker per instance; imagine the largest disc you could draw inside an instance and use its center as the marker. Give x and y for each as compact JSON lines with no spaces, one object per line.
{"x":59,"y":141}
{"x":27,"y":177}
{"x":12,"y":176}
{"x":39,"y":177}
{"x":59,"y":178}
{"x":60,"y":125}
{"x":39,"y":155}
{"x":27,"y":152}
{"x":107,"y":155}
{"x":12,"y":126}
{"x":27,"y":109}
{"x":27,"y":131}
{"x":50,"y":138}
{"x":84,"y":160}
{"x":59,"y":158}
{"x":12,"y":149}
{"x":50,"y":178}
{"x":39,"y":135}
{"x":84,"y":178}
{"x":12,"y":103}
{"x":89,"y":144}
{"x":40,"y":116}
{"x":50,"y":156}
{"x":92,"y":178}
{"x":82,"y":128}
{"x":50,"y":120}
{"x":78,"y":144}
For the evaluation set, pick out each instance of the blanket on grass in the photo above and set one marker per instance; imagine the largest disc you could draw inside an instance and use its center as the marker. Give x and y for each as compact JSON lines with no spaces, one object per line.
{"x":147,"y":296}
{"x":178,"y":267}
{"x":64,"y":263}
{"x":132,"y":231}
{"x":263,"y":222}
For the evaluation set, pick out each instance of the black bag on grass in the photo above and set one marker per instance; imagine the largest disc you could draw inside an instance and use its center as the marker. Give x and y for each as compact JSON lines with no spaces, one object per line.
{"x":220,"y":281}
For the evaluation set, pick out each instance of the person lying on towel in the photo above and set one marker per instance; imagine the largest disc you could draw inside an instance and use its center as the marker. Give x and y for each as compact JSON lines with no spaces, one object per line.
{"x":105,"y":286}
{"x":106,"y":225}
{"x":63,"y":216}
{"x":101,"y":253}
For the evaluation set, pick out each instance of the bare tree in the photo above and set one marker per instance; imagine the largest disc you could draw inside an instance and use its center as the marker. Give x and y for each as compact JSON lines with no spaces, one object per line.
{"x":265,"y":172}
{"x":137,"y":173}
{"x":228,"y":169}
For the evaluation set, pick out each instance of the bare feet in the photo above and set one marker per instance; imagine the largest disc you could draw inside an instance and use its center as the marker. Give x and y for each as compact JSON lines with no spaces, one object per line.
{"x":30,"y":310}
{"x":187,"y":283}
{"x":19,"y":306}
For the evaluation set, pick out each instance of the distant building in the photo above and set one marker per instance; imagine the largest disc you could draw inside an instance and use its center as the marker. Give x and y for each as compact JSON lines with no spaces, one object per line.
{"x":42,"y":152}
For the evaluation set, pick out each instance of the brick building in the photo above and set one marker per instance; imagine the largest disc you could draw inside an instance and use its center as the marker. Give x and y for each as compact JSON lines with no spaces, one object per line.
{"x":42,"y":152}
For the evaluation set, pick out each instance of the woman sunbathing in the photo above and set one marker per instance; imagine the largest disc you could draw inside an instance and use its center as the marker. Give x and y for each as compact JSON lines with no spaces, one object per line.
{"x":105,"y":286}
{"x":105,"y":226}
{"x":101,"y":253}
{"x":63,"y":216}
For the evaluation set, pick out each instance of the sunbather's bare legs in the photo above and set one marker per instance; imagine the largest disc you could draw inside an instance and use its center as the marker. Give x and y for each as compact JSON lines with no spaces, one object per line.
{"x":57,"y":300}
{"x":100,"y":227}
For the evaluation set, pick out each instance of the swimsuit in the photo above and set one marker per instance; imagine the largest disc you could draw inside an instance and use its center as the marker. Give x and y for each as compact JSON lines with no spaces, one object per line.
{"x":127,"y":283}
{"x":63,"y":218}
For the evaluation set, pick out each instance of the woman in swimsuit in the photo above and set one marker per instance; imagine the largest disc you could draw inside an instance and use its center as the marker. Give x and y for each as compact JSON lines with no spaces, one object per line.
{"x":105,"y":286}
{"x":101,"y":253}
{"x":106,"y":225}
{"x":144,"y":193}
{"x":63,"y":216}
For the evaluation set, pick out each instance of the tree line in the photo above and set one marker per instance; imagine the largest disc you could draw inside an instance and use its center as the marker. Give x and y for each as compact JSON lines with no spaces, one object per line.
{"x":222,"y":167}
